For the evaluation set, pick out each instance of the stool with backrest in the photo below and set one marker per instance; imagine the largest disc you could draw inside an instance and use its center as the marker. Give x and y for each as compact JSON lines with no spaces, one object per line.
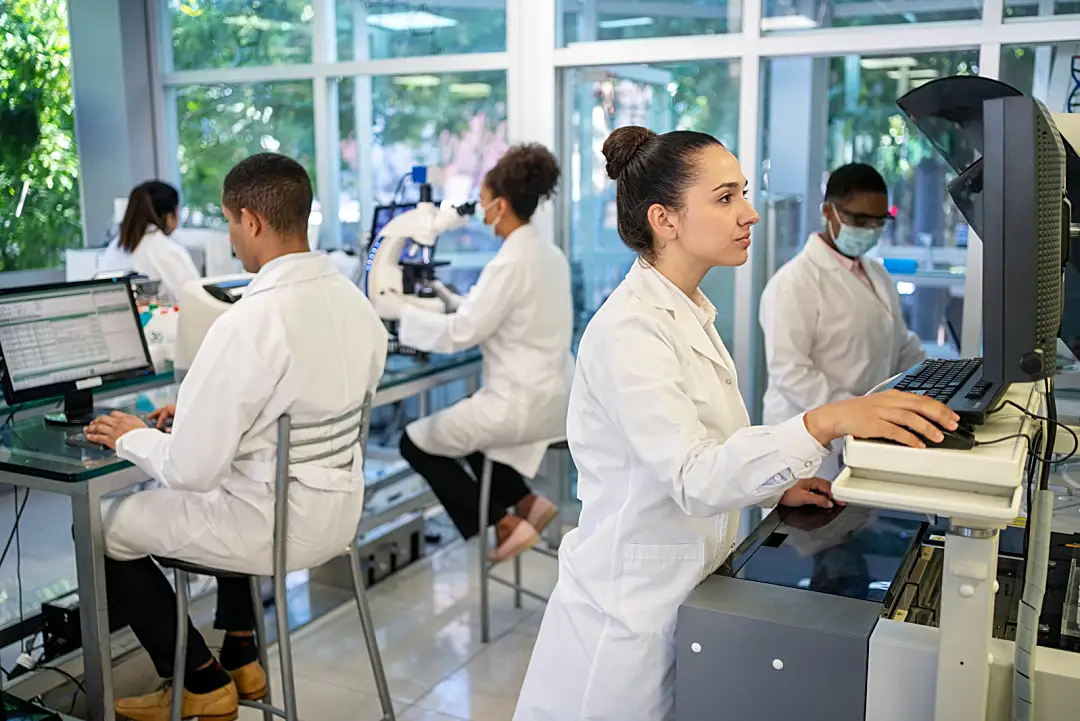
{"x":557,"y":450}
{"x":337,"y":442}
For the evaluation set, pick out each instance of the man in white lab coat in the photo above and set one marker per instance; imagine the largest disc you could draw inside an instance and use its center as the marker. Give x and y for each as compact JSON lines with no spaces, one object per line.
{"x":304,"y":341}
{"x":831,"y":317}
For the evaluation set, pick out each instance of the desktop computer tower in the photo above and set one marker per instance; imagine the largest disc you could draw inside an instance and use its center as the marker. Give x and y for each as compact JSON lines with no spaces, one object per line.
{"x":1025,"y":239}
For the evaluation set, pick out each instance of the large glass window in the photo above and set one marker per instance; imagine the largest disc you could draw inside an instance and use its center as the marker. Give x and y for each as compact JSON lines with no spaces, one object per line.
{"x":453,"y":123}
{"x":377,"y":30}
{"x":220,"y":125}
{"x":1032,"y":8}
{"x":846,"y":110}
{"x":1047,"y":72}
{"x":780,"y":15}
{"x":689,"y":96}
{"x":238,"y":33}
{"x":587,"y":20}
{"x":40,"y":213}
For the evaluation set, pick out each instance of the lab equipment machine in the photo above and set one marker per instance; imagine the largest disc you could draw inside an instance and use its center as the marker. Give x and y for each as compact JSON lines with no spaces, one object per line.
{"x":202,"y":302}
{"x":401,"y":257}
{"x":64,"y":340}
{"x":921,"y":624}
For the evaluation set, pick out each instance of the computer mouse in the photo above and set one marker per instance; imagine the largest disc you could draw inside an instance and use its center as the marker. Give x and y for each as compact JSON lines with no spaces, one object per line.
{"x":962,"y":439}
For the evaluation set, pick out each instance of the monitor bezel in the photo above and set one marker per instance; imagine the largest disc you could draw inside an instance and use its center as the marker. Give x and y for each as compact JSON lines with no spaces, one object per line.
{"x":59,"y":390}
{"x":397,"y":207}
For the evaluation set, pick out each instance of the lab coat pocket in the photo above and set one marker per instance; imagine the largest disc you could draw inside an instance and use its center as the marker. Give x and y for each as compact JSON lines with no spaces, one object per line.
{"x":654,"y":580}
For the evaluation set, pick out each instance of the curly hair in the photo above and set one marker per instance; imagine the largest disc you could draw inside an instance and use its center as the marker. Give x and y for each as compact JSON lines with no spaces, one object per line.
{"x":526,"y":175}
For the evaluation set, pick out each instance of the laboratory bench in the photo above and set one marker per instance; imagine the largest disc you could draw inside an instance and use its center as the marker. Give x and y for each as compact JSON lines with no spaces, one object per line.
{"x":34,"y":456}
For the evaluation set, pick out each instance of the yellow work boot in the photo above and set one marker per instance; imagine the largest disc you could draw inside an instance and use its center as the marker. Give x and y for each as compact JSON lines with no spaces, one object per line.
{"x":250,"y":681}
{"x":219,"y":705}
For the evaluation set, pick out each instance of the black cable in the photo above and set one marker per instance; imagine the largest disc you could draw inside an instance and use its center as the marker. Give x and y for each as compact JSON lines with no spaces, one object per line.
{"x":77,"y":682}
{"x":11,"y":536}
{"x":18,"y":562}
{"x":1051,"y":431}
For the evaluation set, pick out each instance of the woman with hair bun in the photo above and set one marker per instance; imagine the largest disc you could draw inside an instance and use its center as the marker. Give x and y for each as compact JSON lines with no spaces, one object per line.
{"x":520,"y":313}
{"x":144,"y":245}
{"x":662,"y":441}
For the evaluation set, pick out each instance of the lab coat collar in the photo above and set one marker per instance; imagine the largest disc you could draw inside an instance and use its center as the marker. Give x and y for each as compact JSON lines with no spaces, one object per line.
{"x":524,"y":232}
{"x":821,"y":255}
{"x":291,"y":268}
{"x":653,"y":288}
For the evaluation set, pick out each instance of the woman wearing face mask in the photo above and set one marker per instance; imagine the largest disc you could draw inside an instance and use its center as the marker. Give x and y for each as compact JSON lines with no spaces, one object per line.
{"x":144,"y":245}
{"x":831,"y":318}
{"x":662,"y":441}
{"x":520,"y":313}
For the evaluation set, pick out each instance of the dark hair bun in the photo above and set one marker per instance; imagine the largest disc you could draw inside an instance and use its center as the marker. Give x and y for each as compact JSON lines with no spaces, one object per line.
{"x":622,"y":146}
{"x":526,"y":175}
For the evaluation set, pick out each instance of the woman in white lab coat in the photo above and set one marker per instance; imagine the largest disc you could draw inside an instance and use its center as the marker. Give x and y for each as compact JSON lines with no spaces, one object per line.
{"x":144,"y":245}
{"x":831,"y":318}
{"x":520,"y":313}
{"x":665,"y":453}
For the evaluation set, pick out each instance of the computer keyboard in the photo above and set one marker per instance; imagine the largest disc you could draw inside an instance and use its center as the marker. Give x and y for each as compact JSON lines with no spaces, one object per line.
{"x":956,"y":383}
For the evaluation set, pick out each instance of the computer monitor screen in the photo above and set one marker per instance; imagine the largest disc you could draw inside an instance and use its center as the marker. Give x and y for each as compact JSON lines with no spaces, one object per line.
{"x":384,"y":214}
{"x":66,"y":338}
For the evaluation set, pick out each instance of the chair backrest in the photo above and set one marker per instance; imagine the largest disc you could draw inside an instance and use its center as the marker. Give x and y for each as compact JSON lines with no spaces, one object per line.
{"x":341,"y":435}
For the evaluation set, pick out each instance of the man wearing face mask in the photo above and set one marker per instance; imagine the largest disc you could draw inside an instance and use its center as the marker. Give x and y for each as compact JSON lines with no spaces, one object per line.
{"x":831,"y":317}
{"x":520,"y":314}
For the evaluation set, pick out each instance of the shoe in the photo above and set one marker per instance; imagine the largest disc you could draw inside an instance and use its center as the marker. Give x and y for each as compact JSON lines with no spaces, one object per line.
{"x":250,"y":681}
{"x":521,"y":539}
{"x":542,"y":513}
{"x":219,"y":705}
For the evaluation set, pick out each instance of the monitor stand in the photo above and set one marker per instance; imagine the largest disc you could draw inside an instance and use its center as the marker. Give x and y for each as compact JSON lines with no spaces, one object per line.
{"x":78,"y":410}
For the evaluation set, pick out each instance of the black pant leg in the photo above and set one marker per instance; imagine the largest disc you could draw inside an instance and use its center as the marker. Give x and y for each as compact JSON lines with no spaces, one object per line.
{"x":508,"y":487}
{"x":235,"y":609}
{"x":143,"y":598}
{"x":456,"y":490}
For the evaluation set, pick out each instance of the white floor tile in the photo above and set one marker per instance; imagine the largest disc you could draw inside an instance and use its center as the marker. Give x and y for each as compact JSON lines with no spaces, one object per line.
{"x":428,"y":628}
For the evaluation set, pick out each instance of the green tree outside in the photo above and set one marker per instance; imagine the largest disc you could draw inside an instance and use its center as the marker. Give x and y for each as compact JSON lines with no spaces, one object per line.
{"x":40,"y":212}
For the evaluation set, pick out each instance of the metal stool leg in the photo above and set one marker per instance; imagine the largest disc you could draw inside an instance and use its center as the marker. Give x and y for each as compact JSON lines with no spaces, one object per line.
{"x":485,"y":502}
{"x":176,"y":710}
{"x":368,"y":625}
{"x":262,"y":641}
{"x":517,"y":581}
{"x":281,"y":611}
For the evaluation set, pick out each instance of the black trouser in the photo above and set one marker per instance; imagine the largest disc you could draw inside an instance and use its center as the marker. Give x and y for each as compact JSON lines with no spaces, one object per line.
{"x":140,"y":596}
{"x":459,"y":492}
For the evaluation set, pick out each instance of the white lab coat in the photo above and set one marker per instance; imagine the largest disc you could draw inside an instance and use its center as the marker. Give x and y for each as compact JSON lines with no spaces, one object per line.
{"x":827,"y":336}
{"x":520,"y":313}
{"x":158,"y":257}
{"x":666,"y":458}
{"x":302,"y":341}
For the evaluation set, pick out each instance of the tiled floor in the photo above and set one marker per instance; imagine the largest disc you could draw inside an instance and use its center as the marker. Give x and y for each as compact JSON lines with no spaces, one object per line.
{"x":428,"y":627}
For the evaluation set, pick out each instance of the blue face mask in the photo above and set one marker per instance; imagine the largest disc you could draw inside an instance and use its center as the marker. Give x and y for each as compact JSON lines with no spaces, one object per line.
{"x":855,"y":242}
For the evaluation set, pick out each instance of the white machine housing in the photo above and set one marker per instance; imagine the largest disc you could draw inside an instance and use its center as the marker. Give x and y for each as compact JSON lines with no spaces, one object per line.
{"x":199,"y":309}
{"x":422,"y":226}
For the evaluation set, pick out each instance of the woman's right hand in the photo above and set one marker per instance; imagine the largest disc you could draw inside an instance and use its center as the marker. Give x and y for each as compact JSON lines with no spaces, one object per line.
{"x":891,"y":415}
{"x":161,"y":416}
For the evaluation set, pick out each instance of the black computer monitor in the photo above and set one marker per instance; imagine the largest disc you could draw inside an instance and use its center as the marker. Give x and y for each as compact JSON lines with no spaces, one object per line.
{"x":1026,"y":215}
{"x":64,"y":340}
{"x":384,"y":214}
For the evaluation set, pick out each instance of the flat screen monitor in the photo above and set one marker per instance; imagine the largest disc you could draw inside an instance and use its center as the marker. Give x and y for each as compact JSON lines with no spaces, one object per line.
{"x":384,"y":214}
{"x":64,"y":340}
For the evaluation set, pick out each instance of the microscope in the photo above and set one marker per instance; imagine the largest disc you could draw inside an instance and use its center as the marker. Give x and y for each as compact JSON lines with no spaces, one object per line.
{"x":401,"y":256}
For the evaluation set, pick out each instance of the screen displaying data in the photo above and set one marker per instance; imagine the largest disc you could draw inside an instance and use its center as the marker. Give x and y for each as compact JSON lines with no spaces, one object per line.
{"x":69,"y":334}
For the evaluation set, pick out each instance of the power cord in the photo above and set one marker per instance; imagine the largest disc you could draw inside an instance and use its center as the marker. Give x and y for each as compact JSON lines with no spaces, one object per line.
{"x":1052,"y":425}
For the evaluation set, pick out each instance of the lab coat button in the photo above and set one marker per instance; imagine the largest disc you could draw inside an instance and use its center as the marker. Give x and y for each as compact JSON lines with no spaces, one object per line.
{"x":728,"y":381}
